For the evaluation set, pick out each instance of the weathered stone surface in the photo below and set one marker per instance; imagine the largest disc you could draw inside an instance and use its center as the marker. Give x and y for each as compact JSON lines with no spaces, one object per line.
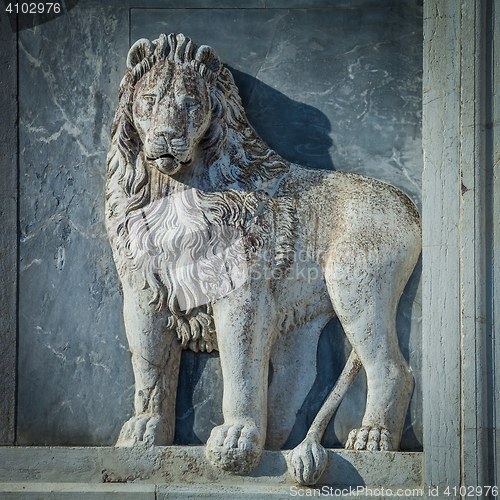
{"x":327,"y":88}
{"x":74,"y":384}
{"x":186,"y":4}
{"x":66,"y":491}
{"x":461,"y":214}
{"x":346,"y":62}
{"x":8,"y":231}
{"x":340,"y":4}
{"x":443,"y":461}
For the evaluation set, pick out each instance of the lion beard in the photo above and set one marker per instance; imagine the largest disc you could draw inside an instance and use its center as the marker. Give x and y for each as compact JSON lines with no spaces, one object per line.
{"x":181,"y":242}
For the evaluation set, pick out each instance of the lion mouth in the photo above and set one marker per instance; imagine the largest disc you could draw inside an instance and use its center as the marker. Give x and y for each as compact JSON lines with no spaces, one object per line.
{"x":168,"y":156}
{"x":168,"y":163}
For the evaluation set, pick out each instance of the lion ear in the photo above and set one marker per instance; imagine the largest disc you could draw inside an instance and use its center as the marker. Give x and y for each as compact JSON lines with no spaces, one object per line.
{"x":140,"y":50}
{"x":207,"y":56}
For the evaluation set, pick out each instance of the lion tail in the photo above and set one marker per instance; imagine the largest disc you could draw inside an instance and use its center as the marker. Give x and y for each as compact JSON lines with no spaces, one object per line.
{"x":307,"y":461}
{"x":345,"y":380}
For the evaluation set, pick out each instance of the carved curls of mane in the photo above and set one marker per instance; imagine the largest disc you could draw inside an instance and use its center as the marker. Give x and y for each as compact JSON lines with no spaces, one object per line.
{"x":130,"y":187}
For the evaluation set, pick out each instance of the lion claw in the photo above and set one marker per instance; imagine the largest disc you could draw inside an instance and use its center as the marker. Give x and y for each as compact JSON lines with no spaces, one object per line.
{"x":307,"y":462}
{"x":369,"y":438}
{"x":143,"y":429}
{"x":235,"y":448}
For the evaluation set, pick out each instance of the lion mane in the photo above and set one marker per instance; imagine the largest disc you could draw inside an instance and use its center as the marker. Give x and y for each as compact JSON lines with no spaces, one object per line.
{"x":152,"y":222}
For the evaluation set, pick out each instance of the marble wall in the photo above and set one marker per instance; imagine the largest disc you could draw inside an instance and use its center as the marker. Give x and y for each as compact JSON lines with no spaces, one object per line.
{"x":332,"y":85}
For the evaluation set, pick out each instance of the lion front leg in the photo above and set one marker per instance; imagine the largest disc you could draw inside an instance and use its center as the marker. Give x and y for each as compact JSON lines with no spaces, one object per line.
{"x":156,"y":354}
{"x":244,"y":339}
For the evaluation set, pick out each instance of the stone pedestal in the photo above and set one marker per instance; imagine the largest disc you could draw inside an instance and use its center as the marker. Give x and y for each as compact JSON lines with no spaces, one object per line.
{"x":184,"y":472}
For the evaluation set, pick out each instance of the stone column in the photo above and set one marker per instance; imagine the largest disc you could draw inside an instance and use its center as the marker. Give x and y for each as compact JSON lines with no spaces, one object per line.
{"x":460,"y":242}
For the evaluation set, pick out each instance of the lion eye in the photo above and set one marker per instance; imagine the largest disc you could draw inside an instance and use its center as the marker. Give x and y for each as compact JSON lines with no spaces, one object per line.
{"x":190,"y":102}
{"x":151,"y":99}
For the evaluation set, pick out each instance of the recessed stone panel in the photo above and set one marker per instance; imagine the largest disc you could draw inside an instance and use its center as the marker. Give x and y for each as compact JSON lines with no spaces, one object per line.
{"x":326,"y":87}
{"x":75,"y":378}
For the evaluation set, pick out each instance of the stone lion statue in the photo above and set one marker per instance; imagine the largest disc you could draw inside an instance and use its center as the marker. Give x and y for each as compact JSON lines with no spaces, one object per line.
{"x":222,"y":244}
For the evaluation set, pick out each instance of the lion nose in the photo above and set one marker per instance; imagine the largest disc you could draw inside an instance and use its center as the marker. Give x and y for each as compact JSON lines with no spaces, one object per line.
{"x":167,"y":133}
{"x":170,"y":126}
{"x":163,"y":133}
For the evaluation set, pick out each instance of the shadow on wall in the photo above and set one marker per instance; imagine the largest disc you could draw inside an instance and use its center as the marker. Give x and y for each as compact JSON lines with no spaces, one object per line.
{"x":296,"y":131}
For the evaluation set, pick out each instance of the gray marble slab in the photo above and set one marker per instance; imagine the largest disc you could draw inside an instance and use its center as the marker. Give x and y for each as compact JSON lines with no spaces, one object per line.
{"x":241,"y":37}
{"x":330,"y":88}
{"x":75,"y":374}
{"x":8,"y":232}
{"x":341,"y":4}
{"x":177,"y":4}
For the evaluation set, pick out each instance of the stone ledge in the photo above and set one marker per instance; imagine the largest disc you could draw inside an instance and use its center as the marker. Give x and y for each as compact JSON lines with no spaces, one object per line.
{"x":141,"y":491}
{"x":77,"y":491}
{"x":186,"y":466}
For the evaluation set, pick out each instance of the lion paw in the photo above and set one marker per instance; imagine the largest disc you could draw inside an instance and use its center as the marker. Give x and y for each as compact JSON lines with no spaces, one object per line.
{"x":235,"y":448}
{"x":369,"y":438}
{"x":144,"y":429}
{"x":307,"y":462}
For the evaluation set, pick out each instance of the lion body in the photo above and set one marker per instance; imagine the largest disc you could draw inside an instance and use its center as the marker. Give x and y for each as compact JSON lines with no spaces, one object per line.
{"x":221,"y":243}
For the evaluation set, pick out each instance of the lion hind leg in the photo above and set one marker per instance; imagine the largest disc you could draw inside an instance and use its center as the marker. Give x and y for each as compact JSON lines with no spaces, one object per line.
{"x":390,"y":383}
{"x":365,"y":288}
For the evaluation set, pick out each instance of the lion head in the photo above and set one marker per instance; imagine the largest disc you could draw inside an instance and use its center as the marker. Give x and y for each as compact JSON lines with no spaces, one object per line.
{"x":172,"y":118}
{"x":180,"y":112}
